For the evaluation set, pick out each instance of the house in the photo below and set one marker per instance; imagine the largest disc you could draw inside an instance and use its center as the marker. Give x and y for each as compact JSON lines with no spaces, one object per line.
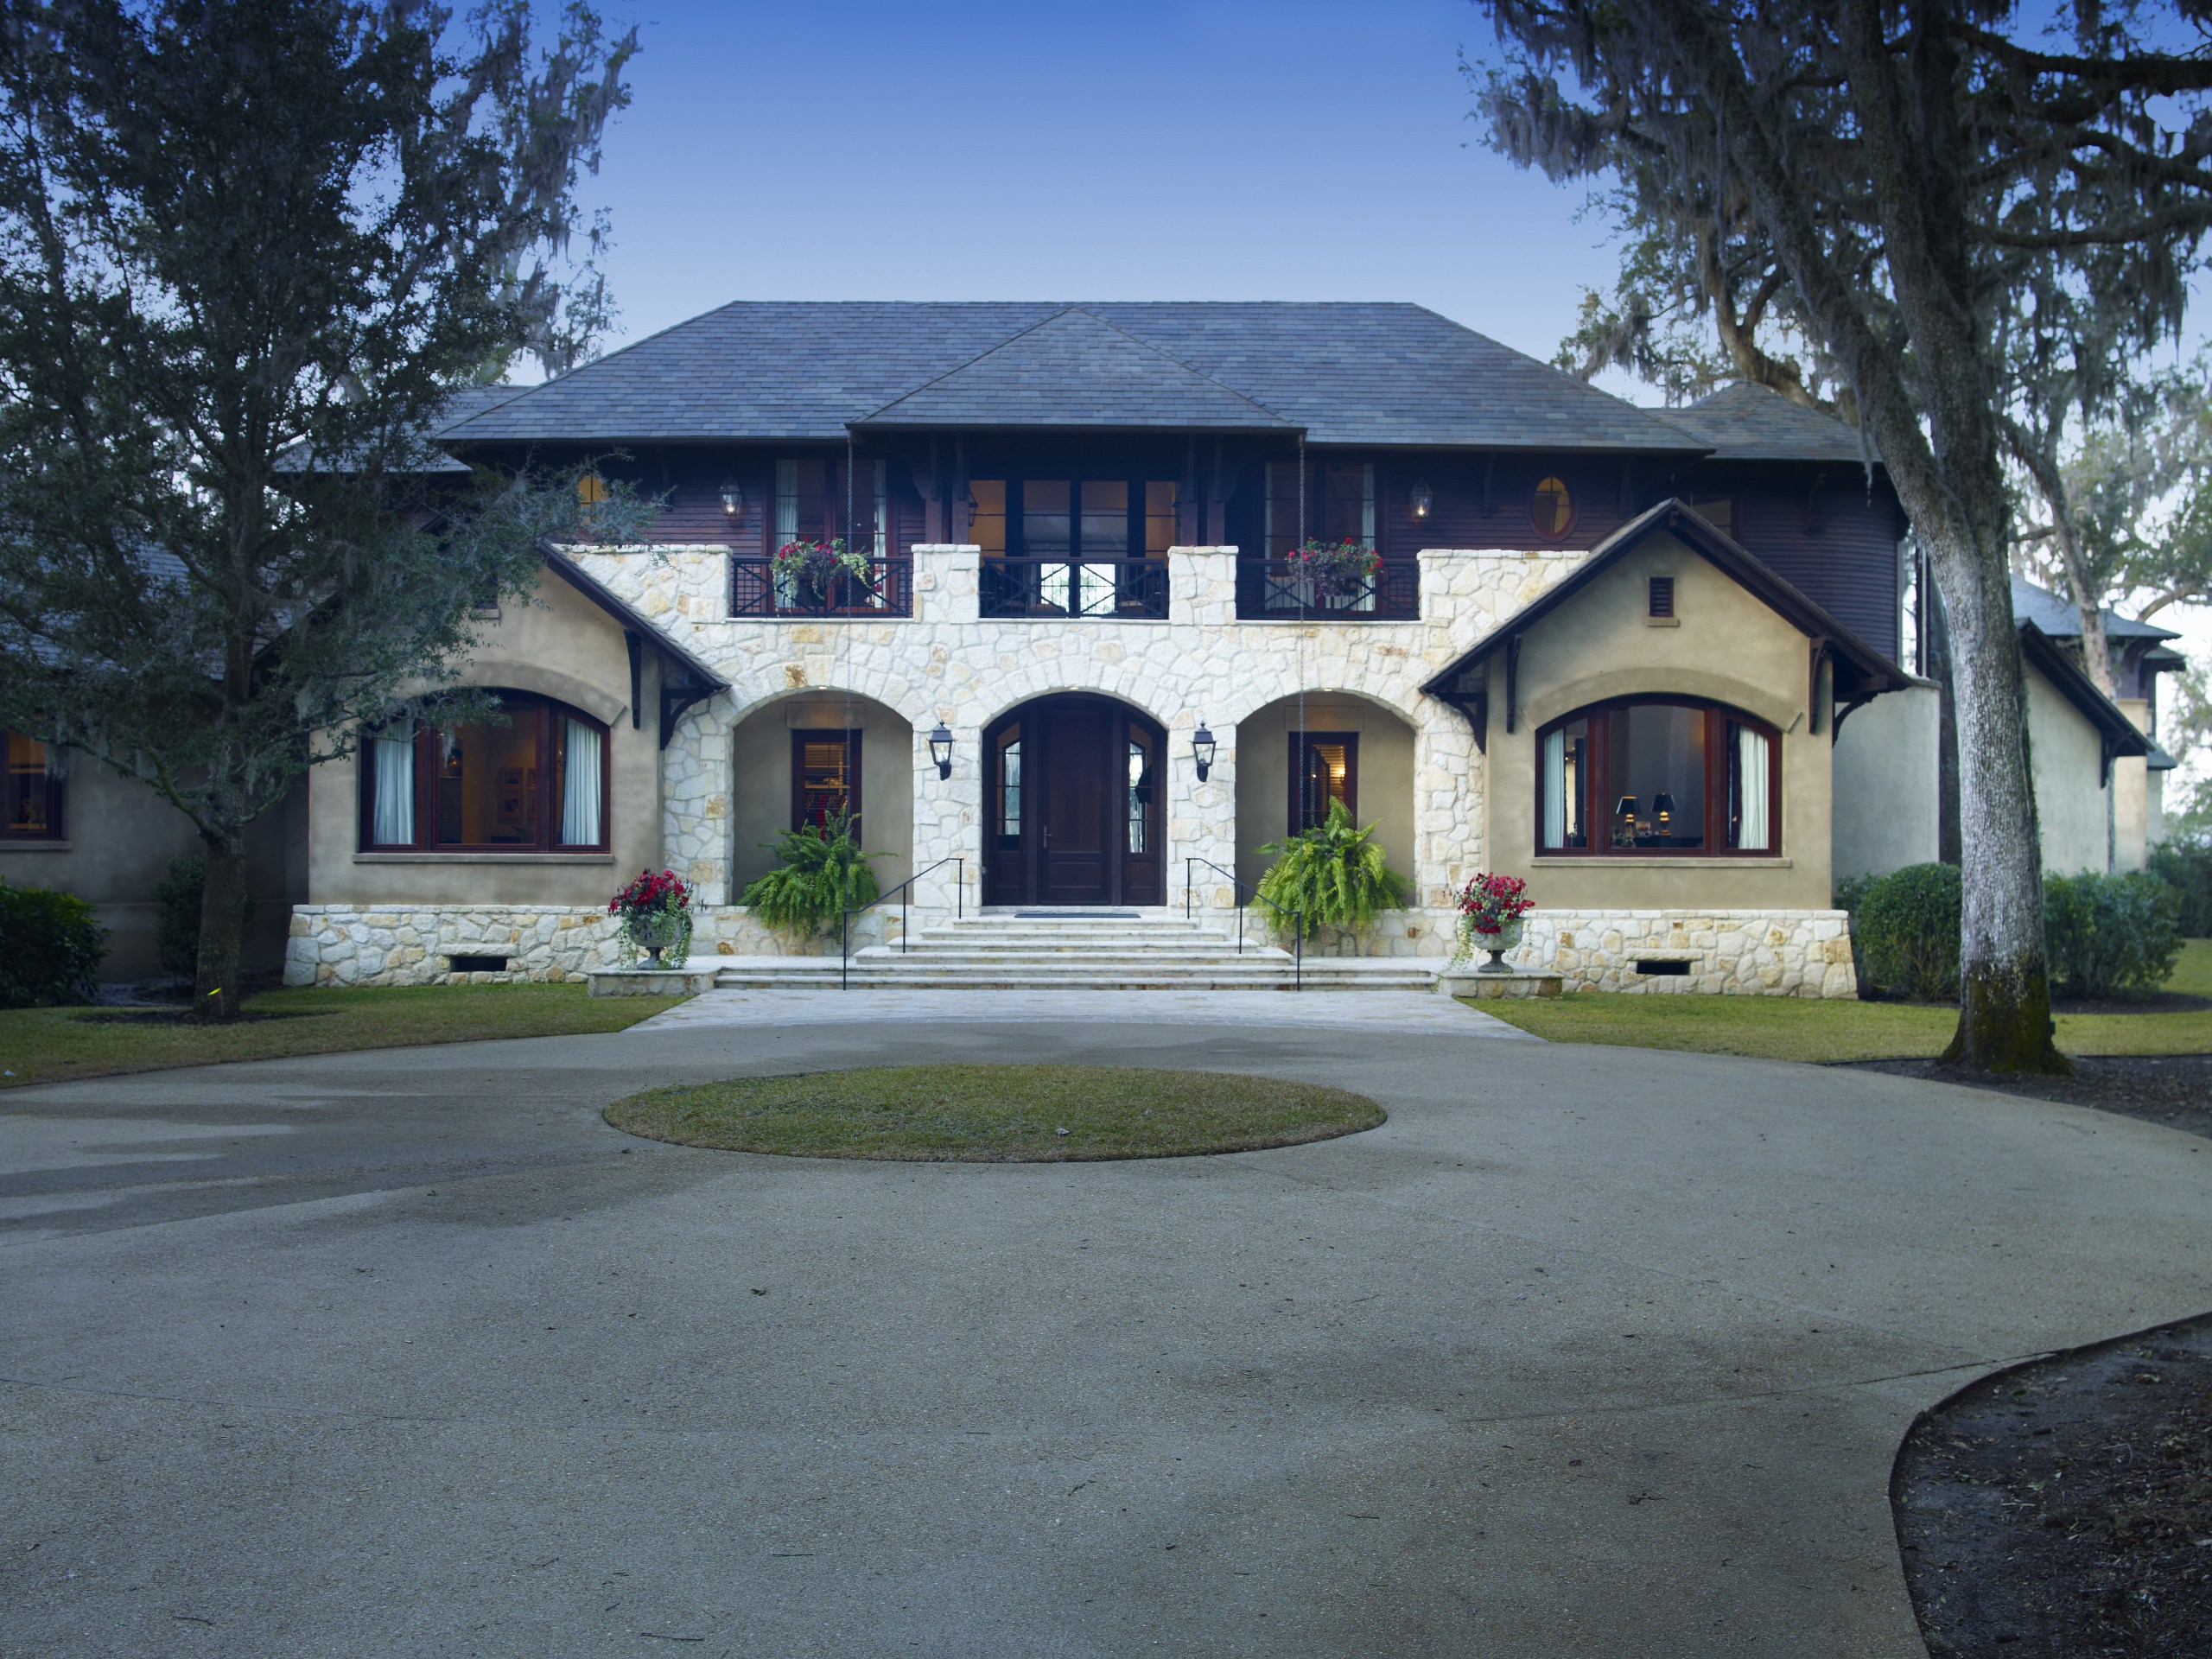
{"x":1075,"y":657}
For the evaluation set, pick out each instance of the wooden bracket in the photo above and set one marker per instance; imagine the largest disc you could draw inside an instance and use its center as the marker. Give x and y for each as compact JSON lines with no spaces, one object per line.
{"x":1813,"y":686}
{"x":1512,"y":681}
{"x":637,"y":678}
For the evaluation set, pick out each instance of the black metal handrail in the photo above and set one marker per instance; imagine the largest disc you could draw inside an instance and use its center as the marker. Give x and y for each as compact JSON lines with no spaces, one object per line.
{"x":1297,"y":916}
{"x":756,"y":590}
{"x":845,"y":930}
{"x":1133,"y":590}
{"x":1284,"y":588}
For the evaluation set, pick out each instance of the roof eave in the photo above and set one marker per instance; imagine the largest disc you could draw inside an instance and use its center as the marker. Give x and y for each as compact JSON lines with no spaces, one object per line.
{"x":2073,"y":684}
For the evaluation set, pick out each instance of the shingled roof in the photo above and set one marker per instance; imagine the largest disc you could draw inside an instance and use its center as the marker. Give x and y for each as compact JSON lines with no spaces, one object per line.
{"x":1393,"y":374}
{"x":1750,"y":422}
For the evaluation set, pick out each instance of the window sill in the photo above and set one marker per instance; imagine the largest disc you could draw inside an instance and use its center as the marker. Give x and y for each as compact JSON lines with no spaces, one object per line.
{"x":483,"y":858}
{"x":1658,"y":862}
{"x":28,"y":845}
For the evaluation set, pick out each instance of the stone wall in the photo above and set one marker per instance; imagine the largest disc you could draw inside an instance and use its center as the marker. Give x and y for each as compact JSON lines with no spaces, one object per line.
{"x":1737,"y":952}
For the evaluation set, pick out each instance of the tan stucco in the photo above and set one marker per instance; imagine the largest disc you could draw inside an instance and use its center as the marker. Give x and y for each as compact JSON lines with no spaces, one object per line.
{"x":2066,"y":759}
{"x":559,"y":645}
{"x":1888,"y":794}
{"x":2131,"y":793}
{"x":1727,"y":646}
{"x":760,"y":773}
{"x":1384,"y":783}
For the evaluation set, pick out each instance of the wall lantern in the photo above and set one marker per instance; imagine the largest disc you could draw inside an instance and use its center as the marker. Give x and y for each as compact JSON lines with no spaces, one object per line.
{"x":1423,"y":499}
{"x":733,"y":498}
{"x":941,"y":750}
{"x":1201,"y":751}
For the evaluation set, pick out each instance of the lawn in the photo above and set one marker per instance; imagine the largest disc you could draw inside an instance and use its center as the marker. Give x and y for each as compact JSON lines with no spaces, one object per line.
{"x":1794,"y":1029}
{"x":49,"y":1045}
{"x":995,"y":1114}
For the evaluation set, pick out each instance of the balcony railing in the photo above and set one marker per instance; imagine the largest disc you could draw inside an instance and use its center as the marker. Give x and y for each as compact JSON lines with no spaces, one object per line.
{"x":1274,"y":589}
{"x":1131,"y":590}
{"x":755,"y":590}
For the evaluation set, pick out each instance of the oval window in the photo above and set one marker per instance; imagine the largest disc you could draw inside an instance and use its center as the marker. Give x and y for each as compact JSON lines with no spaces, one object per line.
{"x":1552,"y":507}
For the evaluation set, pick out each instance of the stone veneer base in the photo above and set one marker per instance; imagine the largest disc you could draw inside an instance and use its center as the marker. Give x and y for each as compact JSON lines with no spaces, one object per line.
{"x":1521,"y":982}
{"x":686,"y":981}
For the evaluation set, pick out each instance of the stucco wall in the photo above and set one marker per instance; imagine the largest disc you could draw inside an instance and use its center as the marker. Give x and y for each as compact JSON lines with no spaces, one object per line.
{"x":1888,"y":800}
{"x":121,"y":837}
{"x":2131,"y":797}
{"x":760,"y":790}
{"x":1727,"y":646}
{"x":558,"y":644}
{"x":1384,"y":781}
{"x":2066,"y":755}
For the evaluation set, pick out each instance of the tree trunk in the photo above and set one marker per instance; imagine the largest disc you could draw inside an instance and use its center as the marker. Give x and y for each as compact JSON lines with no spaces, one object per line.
{"x":1937,"y":633}
{"x":2004,"y":982}
{"x":222,"y":930}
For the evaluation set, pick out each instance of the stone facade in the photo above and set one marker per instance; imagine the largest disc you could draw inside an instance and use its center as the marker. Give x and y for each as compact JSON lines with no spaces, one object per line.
{"x":1738,"y":952}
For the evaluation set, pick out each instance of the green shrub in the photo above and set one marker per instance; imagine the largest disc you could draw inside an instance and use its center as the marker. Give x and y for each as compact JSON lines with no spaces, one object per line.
{"x":176,"y":915}
{"x":824,"y":875}
{"x":2186,"y":867}
{"x":2110,"y":935}
{"x":1334,"y":875}
{"x":50,"y":947}
{"x":1908,"y":928}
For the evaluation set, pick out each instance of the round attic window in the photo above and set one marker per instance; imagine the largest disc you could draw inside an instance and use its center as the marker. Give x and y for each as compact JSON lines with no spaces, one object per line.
{"x":1552,"y":508}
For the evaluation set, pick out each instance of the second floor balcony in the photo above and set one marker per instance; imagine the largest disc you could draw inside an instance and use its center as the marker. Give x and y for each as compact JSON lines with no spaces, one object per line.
{"x":1127,"y":590}
{"x":758,"y":588}
{"x":1289,"y":588}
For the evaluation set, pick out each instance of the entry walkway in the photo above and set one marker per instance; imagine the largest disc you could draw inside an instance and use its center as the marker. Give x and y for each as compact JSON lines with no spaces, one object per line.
{"x":1408,"y":1011}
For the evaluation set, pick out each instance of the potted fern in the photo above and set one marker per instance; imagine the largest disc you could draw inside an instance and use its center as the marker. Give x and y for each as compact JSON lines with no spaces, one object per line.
{"x":824,"y":875}
{"x":1334,"y":875}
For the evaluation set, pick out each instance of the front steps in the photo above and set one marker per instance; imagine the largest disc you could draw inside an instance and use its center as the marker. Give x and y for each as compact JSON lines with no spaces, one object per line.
{"x":1079,"y":951}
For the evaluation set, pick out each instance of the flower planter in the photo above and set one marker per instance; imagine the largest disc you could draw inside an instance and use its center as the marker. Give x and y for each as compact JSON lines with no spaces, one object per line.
{"x":1500,"y":945}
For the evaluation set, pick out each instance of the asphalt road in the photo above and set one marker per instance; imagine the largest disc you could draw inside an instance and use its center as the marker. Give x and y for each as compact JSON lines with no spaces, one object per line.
{"x":1586,"y":1350}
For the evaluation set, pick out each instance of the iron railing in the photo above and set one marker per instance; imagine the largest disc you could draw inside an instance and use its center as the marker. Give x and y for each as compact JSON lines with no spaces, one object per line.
{"x":899,"y":893}
{"x":1133,"y":590}
{"x":755,"y":590}
{"x":1297,"y":916}
{"x":1276,"y":588}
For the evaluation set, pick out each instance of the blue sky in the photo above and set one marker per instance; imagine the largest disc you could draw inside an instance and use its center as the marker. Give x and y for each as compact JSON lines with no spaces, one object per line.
{"x":1205,"y":150}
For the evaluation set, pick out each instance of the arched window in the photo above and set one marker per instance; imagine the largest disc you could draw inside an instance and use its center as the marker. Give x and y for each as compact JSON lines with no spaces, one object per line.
{"x":536,"y":783}
{"x":1641,"y":776}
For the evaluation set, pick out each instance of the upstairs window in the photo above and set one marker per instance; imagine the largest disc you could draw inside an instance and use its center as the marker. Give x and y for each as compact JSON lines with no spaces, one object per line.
{"x":810,"y":504}
{"x":32,"y":808}
{"x":1343,"y":504}
{"x":1646,"y":776}
{"x":536,"y":783}
{"x":1551,"y":509}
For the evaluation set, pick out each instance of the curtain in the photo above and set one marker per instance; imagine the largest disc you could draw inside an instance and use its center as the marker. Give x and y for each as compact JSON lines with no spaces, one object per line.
{"x":1752,"y":832}
{"x":394,"y":805}
{"x":1555,"y":789}
{"x":579,"y":775}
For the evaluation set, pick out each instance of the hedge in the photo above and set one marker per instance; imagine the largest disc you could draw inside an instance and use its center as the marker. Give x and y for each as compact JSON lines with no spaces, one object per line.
{"x":50,"y":947}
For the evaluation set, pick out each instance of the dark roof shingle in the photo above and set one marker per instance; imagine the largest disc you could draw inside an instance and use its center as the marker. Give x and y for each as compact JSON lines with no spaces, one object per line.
{"x":1751,"y":422}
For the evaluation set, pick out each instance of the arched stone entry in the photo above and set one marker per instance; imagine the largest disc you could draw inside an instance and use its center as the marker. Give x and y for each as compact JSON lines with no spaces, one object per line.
{"x":1074,"y":804}
{"x":769,"y":754}
{"x":1349,"y":747}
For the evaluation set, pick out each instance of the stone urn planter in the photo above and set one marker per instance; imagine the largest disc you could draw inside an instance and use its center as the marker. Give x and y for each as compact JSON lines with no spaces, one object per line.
{"x":657,"y":933}
{"x":1500,"y":945}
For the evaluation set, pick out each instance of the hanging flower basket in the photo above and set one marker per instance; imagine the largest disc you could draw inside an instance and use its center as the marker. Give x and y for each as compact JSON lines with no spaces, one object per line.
{"x":1337,"y":569}
{"x":656,"y":917}
{"x":1490,"y":909}
{"x":817,"y":565}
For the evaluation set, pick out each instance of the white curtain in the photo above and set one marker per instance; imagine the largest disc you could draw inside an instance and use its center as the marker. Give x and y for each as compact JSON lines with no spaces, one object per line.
{"x":1555,"y":789}
{"x":394,"y":792}
{"x":1752,"y":831}
{"x":580,"y":786}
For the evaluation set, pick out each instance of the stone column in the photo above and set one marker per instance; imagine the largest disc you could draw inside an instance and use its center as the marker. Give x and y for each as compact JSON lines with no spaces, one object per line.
{"x":1202,"y":817}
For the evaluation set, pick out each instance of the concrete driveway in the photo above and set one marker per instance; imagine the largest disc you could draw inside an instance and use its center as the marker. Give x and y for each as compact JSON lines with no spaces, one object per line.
{"x":1586,"y":1352}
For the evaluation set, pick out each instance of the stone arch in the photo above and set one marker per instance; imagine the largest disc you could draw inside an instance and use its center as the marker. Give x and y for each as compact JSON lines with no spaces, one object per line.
{"x":1381,"y":751}
{"x":761,"y":759}
{"x":1091,"y":774}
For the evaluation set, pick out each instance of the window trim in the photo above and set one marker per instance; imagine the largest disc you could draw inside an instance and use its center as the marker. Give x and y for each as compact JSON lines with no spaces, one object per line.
{"x":852,"y":737}
{"x":1297,"y":742}
{"x":57,"y":823}
{"x":545,"y":711}
{"x":1718,"y":717}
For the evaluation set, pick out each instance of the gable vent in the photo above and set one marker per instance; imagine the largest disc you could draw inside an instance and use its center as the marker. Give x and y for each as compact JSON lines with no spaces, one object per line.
{"x":1662,"y":597}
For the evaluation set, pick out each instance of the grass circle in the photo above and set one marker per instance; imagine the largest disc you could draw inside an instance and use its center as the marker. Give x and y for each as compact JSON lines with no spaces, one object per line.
{"x":995,"y":1114}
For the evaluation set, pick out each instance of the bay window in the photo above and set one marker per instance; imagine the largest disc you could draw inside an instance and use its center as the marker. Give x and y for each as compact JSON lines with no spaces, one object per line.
{"x":537,"y":783}
{"x":1647,"y":775}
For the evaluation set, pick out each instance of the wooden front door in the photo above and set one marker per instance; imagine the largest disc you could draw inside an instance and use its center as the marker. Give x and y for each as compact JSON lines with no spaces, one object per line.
{"x":1075,"y":809}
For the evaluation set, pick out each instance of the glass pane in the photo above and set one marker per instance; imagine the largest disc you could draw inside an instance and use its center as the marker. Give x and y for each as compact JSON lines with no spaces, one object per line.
{"x":1044,"y":517}
{"x":487,"y":783}
{"x":1552,"y":508}
{"x":28,"y":794}
{"x":1105,"y":520}
{"x":1281,"y":508}
{"x":825,"y":778}
{"x":1655,"y":763}
{"x":1159,"y":500}
{"x":1325,"y":776}
{"x":1140,"y":787}
{"x":1348,"y":502}
{"x":1010,"y":789}
{"x":802,"y":500}
{"x":987,"y":515}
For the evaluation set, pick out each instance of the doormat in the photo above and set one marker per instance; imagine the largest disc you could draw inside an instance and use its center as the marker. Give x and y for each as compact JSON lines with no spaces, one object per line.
{"x":1077,"y":916}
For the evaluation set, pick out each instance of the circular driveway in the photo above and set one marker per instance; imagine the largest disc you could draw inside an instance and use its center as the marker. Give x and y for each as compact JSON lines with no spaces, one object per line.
{"x":1587,"y":1351}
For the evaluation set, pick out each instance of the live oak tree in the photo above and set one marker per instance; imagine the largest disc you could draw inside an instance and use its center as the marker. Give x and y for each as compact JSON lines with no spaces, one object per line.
{"x":1902,"y":175}
{"x":248,"y":251}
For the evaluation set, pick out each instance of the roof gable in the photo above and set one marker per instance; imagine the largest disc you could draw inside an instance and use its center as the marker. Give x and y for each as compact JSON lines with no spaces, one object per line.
{"x":1074,"y":369}
{"x":2121,"y":735}
{"x":2058,"y":618}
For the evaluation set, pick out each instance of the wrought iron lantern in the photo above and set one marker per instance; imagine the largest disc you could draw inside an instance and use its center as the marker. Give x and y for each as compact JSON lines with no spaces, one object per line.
{"x":1201,"y":751}
{"x":733,"y":498}
{"x":941,"y":749}
{"x":1424,"y":500}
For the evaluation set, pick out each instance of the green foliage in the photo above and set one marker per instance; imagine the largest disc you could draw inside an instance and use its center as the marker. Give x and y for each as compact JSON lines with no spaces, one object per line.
{"x":824,"y":875}
{"x":2110,"y":936}
{"x":50,"y":947}
{"x":1907,"y":929}
{"x":1334,"y":875}
{"x":176,"y":918}
{"x":2185,"y":865}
